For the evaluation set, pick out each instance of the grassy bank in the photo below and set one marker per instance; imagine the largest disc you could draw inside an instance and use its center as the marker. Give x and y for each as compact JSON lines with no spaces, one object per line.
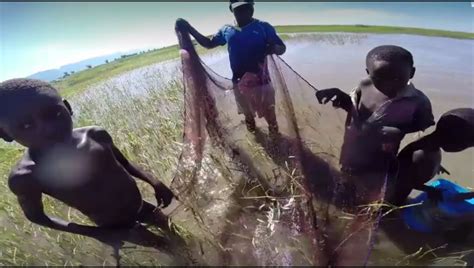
{"x":80,"y":81}
{"x":372,"y":29}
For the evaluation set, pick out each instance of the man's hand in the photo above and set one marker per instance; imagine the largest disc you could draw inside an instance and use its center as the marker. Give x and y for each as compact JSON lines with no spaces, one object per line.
{"x":275,"y":49}
{"x":182,"y":25}
{"x":270,"y":49}
{"x":163,"y":195}
{"x":339,"y":98}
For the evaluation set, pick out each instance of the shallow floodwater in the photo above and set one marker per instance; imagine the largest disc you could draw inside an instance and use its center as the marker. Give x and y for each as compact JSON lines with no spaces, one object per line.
{"x":444,"y":72}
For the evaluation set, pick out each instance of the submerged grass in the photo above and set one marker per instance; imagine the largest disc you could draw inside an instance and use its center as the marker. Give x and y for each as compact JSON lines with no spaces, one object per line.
{"x":152,"y":142}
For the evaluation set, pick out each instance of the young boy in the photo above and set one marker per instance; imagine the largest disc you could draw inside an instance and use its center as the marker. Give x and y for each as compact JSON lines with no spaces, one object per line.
{"x":249,"y":41}
{"x":80,"y":167}
{"x":385,"y":98}
{"x":420,"y":161}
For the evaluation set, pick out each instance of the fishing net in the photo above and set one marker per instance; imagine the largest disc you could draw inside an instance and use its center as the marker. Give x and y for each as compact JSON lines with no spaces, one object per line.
{"x":263,"y":199}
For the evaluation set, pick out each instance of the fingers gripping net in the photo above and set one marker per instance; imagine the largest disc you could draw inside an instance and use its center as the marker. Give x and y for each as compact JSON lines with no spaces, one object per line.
{"x":263,"y":199}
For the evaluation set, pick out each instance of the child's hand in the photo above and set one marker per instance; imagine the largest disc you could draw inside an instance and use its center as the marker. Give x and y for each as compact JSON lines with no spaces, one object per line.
{"x":338,"y":97}
{"x":163,"y":195}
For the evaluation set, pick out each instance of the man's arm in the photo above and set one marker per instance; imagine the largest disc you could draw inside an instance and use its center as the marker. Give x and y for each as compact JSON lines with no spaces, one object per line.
{"x":204,"y":41}
{"x":275,"y":44}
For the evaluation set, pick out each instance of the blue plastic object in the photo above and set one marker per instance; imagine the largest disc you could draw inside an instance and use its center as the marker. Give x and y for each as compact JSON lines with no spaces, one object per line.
{"x":428,"y":217}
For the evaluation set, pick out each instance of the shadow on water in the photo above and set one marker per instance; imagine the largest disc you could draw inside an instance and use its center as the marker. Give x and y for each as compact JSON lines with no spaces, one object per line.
{"x":318,"y":172}
{"x":168,"y":242}
{"x":321,"y":176}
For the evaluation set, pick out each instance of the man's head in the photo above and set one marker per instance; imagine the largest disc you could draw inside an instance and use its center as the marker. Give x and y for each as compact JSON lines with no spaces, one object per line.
{"x":390,"y":68}
{"x":33,"y":114}
{"x":243,"y":11}
{"x":455,"y":130}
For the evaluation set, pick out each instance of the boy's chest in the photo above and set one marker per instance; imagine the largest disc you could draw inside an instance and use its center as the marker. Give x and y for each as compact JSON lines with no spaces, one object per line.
{"x":376,"y":106}
{"x":72,"y":167}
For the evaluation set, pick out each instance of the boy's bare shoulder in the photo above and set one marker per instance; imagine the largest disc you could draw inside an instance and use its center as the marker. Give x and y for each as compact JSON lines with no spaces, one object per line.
{"x":22,"y":176}
{"x":96,"y":133}
{"x":421,"y":96}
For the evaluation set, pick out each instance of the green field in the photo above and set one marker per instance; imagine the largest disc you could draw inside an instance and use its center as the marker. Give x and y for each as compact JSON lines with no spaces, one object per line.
{"x":158,"y":134}
{"x":78,"y":82}
{"x":372,"y":29}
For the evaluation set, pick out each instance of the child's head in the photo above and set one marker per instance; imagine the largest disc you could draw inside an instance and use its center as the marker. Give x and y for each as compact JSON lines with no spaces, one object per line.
{"x":455,"y":130}
{"x":33,"y":114}
{"x":390,"y":68}
{"x":243,"y":10}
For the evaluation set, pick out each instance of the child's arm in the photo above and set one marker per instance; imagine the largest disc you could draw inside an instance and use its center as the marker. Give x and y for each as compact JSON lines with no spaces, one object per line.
{"x":339,"y":98}
{"x":162,"y":193}
{"x":29,"y":197}
{"x":204,"y":41}
{"x":423,"y":117}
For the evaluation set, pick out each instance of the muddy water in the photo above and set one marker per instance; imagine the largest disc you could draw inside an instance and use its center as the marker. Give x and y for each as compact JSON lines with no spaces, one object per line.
{"x":444,"y":73}
{"x":253,"y":232}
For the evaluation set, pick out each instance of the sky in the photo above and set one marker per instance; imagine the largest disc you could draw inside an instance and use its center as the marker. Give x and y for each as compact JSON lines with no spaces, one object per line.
{"x":40,"y":36}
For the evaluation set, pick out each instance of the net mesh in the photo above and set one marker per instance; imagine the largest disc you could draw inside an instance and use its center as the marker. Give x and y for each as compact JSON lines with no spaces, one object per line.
{"x":263,"y":199}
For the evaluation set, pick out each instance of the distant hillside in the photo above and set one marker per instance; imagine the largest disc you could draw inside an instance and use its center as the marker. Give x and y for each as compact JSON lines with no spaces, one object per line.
{"x":53,"y":74}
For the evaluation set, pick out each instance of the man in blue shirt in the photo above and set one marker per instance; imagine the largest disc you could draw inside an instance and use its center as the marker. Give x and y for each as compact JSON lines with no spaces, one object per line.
{"x":249,"y":41}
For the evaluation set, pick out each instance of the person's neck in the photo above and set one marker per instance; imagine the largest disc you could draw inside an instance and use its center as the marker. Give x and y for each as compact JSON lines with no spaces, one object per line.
{"x":242,"y":24}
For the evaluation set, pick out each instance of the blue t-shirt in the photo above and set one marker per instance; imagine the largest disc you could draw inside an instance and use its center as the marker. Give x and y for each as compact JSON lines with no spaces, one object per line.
{"x":246,"y":45}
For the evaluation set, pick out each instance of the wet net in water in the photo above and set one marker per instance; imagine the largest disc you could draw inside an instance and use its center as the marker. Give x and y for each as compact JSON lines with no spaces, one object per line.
{"x":262,"y":199}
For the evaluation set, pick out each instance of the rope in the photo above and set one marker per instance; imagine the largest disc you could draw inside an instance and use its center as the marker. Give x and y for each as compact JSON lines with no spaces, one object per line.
{"x":301,"y":77}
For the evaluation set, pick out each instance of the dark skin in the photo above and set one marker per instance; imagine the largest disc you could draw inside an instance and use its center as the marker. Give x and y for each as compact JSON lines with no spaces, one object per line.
{"x":79,"y":167}
{"x":388,"y":78}
{"x":243,"y":15}
{"x":420,"y":161}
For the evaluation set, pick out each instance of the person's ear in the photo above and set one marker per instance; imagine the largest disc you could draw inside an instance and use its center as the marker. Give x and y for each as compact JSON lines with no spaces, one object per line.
{"x":412,"y":74}
{"x":5,"y":136}
{"x":68,"y":106}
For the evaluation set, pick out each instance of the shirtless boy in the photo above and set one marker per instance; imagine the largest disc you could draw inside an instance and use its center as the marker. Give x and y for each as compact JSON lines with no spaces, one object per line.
{"x":384,"y":99}
{"x":420,"y":160}
{"x":80,"y":167}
